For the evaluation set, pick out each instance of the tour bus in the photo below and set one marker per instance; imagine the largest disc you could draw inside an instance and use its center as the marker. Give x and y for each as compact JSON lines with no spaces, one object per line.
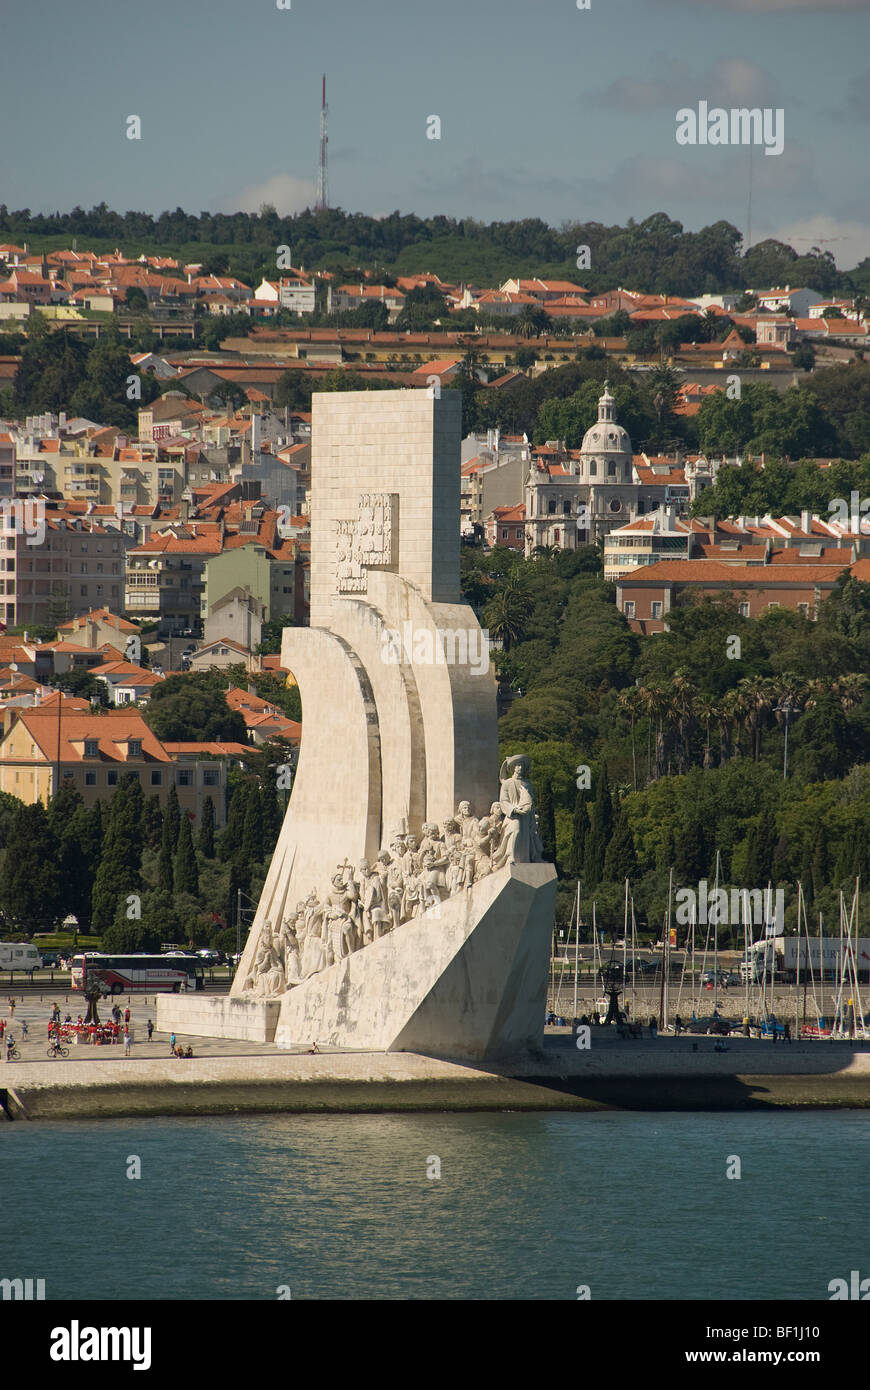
{"x":19,"y":955}
{"x":140,"y":974}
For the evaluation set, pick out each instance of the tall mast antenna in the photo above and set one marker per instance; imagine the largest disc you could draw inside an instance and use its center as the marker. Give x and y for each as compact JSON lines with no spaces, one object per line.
{"x":322,"y":175}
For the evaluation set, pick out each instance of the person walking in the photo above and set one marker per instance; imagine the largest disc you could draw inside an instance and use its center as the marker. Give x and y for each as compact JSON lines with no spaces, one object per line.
{"x":2,"y":1028}
{"x":24,"y":1030}
{"x":11,"y":1007}
{"x":150,"y":1029}
{"x":128,"y":1038}
{"x":127,"y":1015}
{"x":786,"y":1032}
{"x":172,"y":1041}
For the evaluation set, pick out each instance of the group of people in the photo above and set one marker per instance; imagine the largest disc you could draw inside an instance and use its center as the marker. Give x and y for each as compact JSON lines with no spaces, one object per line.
{"x":176,"y":1049}
{"x":413,"y":876}
{"x":365,"y":903}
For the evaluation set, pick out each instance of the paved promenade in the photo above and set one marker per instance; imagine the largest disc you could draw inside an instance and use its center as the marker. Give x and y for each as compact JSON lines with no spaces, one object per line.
{"x":227,"y":1076}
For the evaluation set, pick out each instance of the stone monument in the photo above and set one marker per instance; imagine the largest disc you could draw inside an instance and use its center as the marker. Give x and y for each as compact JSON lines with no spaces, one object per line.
{"x":403,"y":908}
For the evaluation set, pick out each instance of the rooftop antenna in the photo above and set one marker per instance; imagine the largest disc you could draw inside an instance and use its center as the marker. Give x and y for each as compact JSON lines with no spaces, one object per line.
{"x":322,"y":176}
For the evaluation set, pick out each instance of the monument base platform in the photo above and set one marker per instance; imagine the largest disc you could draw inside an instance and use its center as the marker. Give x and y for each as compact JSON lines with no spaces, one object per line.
{"x":218,"y":1016}
{"x":466,"y":980}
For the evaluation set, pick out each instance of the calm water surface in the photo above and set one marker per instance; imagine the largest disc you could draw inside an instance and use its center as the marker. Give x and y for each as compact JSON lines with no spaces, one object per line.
{"x":527,"y":1206}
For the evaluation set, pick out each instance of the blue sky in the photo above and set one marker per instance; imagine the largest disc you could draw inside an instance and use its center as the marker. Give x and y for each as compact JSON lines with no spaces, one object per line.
{"x":546,"y":110}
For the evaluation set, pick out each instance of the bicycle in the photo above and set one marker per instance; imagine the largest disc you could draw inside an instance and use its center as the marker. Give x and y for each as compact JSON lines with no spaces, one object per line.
{"x":57,"y":1050}
{"x":12,"y":1054}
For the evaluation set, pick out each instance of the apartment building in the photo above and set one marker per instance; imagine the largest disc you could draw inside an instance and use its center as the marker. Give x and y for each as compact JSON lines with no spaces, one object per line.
{"x":57,"y":745}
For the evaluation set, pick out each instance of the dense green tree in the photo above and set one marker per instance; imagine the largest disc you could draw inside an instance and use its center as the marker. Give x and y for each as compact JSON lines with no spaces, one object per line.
{"x":546,"y":820}
{"x":31,"y":892}
{"x":230,"y":841}
{"x":193,"y":708}
{"x":153,"y":823}
{"x":119,"y":872}
{"x":166,"y":858}
{"x":252,"y":832}
{"x":620,"y":860}
{"x":272,"y":816}
{"x":205,"y":838}
{"x":185,"y":875}
{"x":172,"y":818}
{"x":579,"y":831}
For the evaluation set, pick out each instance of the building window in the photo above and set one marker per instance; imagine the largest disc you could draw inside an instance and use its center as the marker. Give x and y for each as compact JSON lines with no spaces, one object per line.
{"x":566,"y":508}
{"x":629,"y":609}
{"x":743,"y":610}
{"x":90,"y":779}
{"x":92,"y":747}
{"x":135,"y":747}
{"x":111,"y":779}
{"x":504,"y":534}
{"x":184,"y":777}
{"x":210,"y":777}
{"x":656,"y":609}
{"x":804,"y":608}
{"x":551,"y":507}
{"x":157,"y":779}
{"x":83,"y":590}
{"x":593,"y":468}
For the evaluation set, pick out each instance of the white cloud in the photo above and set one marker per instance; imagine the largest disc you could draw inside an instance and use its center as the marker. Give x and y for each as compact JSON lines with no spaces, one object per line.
{"x":729,"y":80}
{"x":848,"y":242}
{"x":285,"y":193}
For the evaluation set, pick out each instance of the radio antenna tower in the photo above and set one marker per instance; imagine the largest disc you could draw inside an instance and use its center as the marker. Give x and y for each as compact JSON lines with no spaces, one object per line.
{"x":322,"y":176}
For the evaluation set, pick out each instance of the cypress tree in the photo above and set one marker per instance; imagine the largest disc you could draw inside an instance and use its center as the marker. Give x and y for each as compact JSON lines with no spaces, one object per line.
{"x":579,"y":831}
{"x":165,"y":862}
{"x":172,"y":814}
{"x":547,"y":821}
{"x":231,"y":836}
{"x":135,"y":803}
{"x":271,"y":814}
{"x":252,"y":834}
{"x":119,"y":873}
{"x":691,"y":851}
{"x":620,"y":861}
{"x":821,"y":862}
{"x":153,"y":823}
{"x":762,"y":843}
{"x":30,"y":885}
{"x":205,"y":838}
{"x":600,"y":830}
{"x":186,"y":873}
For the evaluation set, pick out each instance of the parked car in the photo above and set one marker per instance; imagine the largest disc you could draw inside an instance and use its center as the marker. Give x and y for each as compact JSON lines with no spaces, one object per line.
{"x":50,"y":960}
{"x":724,"y":977}
{"x":210,"y":957}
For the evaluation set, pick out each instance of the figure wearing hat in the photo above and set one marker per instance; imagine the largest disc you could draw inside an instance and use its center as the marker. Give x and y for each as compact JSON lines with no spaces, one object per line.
{"x":520,"y":842}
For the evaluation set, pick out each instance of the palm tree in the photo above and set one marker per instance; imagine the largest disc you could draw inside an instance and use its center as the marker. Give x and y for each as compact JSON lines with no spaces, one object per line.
{"x":683,"y":695}
{"x":631,"y":702}
{"x":506,"y":615}
{"x":658,"y":706}
{"x":759,"y":694}
{"x":707,"y":711}
{"x":546,"y":552}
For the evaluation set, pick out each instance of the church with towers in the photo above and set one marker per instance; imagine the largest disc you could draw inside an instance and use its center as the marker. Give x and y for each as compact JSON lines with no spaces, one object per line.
{"x":572,"y":500}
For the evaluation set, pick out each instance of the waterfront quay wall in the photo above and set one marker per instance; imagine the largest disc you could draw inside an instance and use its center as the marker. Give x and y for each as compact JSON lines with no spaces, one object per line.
{"x":662,"y":1074}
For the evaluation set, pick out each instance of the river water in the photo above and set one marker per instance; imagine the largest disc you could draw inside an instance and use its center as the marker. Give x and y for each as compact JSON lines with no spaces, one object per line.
{"x":634,"y":1206}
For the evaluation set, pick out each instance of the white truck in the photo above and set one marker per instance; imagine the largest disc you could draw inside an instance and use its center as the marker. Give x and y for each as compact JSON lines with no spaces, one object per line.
{"x":19,"y":955}
{"x":820,"y":956}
